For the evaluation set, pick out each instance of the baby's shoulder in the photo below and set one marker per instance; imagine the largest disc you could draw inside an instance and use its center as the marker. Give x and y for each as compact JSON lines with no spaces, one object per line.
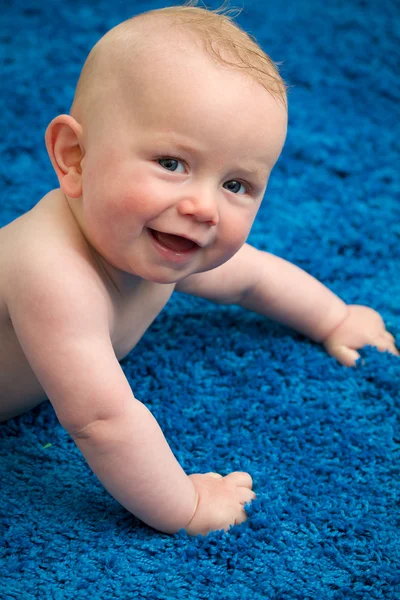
{"x":42,"y":253}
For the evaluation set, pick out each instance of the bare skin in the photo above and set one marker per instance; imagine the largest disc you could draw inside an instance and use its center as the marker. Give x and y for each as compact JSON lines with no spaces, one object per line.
{"x":156,"y":194}
{"x":131,"y":315}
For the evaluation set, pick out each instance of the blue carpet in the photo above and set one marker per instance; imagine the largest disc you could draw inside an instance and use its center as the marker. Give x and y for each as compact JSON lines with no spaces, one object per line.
{"x":230,"y":389}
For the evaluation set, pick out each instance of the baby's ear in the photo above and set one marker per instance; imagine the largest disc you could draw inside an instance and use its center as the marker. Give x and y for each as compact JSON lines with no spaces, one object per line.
{"x":64,"y":145}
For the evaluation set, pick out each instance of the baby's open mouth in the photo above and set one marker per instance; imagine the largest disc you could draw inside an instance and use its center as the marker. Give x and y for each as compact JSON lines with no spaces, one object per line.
{"x":173,"y":242}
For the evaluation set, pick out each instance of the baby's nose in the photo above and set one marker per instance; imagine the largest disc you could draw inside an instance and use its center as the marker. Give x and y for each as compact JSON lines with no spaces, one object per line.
{"x":202,"y":208}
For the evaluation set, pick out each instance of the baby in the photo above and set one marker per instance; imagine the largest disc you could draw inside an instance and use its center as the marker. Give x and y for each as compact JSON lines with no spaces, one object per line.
{"x":177,"y":122}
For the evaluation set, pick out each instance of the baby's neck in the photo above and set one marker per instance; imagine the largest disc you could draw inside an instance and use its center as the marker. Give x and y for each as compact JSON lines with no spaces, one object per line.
{"x":123,"y":283}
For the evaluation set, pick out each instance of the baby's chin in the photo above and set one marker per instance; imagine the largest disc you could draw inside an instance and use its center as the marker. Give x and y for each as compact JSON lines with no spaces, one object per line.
{"x":143,"y":268}
{"x":153,"y":274}
{"x":163,"y":276}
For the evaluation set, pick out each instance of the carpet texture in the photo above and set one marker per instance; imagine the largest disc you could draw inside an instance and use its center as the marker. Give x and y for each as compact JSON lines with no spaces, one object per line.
{"x":231,"y":390}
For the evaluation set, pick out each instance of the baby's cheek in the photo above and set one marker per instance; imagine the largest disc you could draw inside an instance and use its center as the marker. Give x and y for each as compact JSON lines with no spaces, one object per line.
{"x":226,"y":247}
{"x":131,"y":202}
{"x":140,"y":200}
{"x":236,"y":234}
{"x":97,"y":182}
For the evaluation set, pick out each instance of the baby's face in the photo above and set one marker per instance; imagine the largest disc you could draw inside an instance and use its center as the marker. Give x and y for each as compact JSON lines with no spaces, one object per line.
{"x":173,"y":176}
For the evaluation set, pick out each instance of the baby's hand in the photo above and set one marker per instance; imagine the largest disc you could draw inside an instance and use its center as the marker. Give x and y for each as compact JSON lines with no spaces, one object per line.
{"x":220,"y":501}
{"x":363,"y":326}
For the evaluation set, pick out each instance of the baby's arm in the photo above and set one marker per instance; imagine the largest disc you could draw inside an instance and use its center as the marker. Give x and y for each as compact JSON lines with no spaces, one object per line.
{"x":281,"y":291}
{"x":62,"y":325}
{"x":273,"y":287}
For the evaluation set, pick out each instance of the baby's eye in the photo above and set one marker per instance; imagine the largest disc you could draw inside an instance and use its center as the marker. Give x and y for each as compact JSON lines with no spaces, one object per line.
{"x":171,"y":164}
{"x":235,"y":186}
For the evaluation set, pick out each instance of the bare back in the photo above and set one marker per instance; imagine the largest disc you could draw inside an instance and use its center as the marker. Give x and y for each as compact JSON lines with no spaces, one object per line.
{"x":50,"y":230}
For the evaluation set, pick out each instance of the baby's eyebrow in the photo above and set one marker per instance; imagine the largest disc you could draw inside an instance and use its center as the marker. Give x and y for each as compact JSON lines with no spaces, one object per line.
{"x":261,"y":174}
{"x":188,"y":147}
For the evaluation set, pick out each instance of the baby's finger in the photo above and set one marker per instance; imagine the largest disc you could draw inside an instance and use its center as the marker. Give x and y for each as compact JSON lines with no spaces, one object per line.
{"x":381,"y":344}
{"x":389,"y":336}
{"x":241,"y":517}
{"x":384,"y":344}
{"x":246,"y":496}
{"x":345,"y":355}
{"x":215,"y":475}
{"x":393,"y":350}
{"x":241,"y":479}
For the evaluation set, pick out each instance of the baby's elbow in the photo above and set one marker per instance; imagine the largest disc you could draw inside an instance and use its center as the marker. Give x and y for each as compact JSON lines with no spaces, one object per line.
{"x":81,"y":426}
{"x":88,"y":431}
{"x":84,"y":420}
{"x":99,"y":437}
{"x":107,"y":425}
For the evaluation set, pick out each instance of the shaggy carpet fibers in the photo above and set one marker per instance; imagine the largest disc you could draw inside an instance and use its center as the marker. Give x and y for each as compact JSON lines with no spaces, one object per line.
{"x":231,"y":390}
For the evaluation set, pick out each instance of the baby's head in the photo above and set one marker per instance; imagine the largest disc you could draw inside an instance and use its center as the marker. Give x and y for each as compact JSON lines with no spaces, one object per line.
{"x":176,"y":124}
{"x":179,"y":27}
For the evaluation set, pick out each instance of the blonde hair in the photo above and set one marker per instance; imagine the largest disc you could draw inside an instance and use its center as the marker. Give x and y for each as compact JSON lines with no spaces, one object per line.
{"x":225,"y":41}
{"x":219,"y":32}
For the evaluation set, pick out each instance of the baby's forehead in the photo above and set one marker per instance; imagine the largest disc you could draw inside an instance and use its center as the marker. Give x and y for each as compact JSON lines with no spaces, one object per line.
{"x":147,"y":47}
{"x":146,"y":53}
{"x":125,"y":56}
